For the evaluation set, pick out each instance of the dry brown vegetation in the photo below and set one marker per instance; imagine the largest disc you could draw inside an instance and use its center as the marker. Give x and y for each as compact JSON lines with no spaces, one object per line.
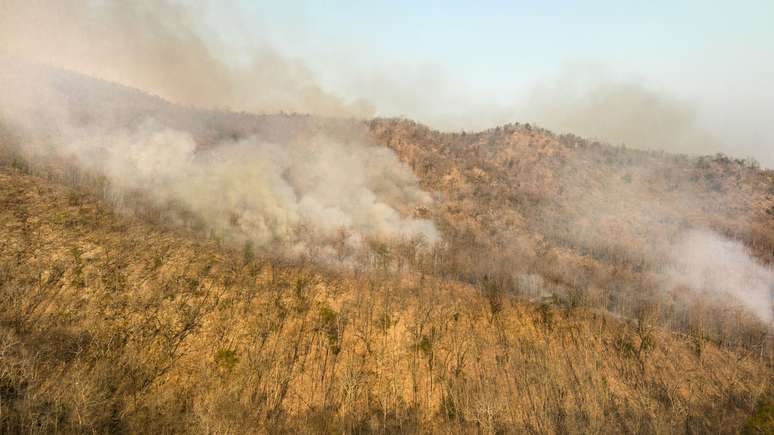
{"x":588,"y":223}
{"x":112,"y":324}
{"x":543,"y":310}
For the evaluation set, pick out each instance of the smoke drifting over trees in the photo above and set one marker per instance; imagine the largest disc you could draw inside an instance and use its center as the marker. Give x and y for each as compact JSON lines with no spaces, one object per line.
{"x":179,"y":254}
{"x":295,"y":183}
{"x":715,"y":267}
{"x":288,"y":182}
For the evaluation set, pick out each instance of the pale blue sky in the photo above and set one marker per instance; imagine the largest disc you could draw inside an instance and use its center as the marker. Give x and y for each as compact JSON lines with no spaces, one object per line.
{"x":495,"y":40}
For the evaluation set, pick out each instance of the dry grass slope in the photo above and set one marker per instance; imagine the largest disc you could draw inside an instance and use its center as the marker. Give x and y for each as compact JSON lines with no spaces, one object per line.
{"x":109,"y":324}
{"x":591,"y":224}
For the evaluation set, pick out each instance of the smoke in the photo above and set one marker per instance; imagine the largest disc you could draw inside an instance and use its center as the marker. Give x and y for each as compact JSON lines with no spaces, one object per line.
{"x":590,"y":101}
{"x":714,"y":266}
{"x":277,"y":182}
{"x":270,"y":180}
{"x":168,"y":48}
{"x":161,"y":47}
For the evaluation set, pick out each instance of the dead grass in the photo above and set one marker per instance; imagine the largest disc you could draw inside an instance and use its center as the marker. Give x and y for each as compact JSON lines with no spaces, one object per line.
{"x":587,"y":223}
{"x":109,"y":324}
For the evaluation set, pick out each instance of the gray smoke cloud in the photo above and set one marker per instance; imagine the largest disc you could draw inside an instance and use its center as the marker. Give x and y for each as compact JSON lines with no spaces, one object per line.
{"x":589,"y":101}
{"x":713,"y":266}
{"x":162,"y":47}
{"x":291,"y":184}
{"x":284,"y":182}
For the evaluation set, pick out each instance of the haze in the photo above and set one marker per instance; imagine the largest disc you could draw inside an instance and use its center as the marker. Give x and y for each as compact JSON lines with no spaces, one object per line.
{"x":680,"y":76}
{"x":684,"y":78}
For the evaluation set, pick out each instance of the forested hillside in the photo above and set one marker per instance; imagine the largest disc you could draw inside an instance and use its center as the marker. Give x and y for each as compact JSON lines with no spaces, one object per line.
{"x":544,"y":284}
{"x":110,"y":324}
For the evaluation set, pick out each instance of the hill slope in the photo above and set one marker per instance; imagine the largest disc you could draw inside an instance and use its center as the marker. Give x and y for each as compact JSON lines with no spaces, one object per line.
{"x":568,"y":291}
{"x":595,"y":225}
{"x":111,"y":325}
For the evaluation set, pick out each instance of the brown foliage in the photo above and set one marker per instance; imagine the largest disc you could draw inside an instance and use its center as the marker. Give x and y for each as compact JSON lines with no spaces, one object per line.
{"x":109,"y":324}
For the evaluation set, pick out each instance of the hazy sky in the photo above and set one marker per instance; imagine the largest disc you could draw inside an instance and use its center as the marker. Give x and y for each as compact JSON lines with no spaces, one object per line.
{"x":473,"y":64}
{"x":683,"y":76}
{"x":498,"y":43}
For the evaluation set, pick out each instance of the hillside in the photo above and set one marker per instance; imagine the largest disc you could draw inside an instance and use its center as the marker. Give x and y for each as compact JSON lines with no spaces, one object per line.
{"x":111,"y":325}
{"x":524,"y":175}
{"x":571,"y":287}
{"x":590,"y":223}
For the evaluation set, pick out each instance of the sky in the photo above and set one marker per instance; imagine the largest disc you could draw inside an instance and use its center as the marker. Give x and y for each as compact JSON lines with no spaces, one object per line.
{"x":462,"y":64}
{"x":501,"y":42}
{"x":689,"y":77}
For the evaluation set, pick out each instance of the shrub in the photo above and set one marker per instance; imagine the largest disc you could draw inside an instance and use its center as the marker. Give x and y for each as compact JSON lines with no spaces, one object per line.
{"x":226,"y":359}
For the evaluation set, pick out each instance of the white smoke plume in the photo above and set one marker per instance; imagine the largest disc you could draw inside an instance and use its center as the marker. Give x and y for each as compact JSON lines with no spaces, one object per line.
{"x":714,"y":266}
{"x":269,"y":181}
